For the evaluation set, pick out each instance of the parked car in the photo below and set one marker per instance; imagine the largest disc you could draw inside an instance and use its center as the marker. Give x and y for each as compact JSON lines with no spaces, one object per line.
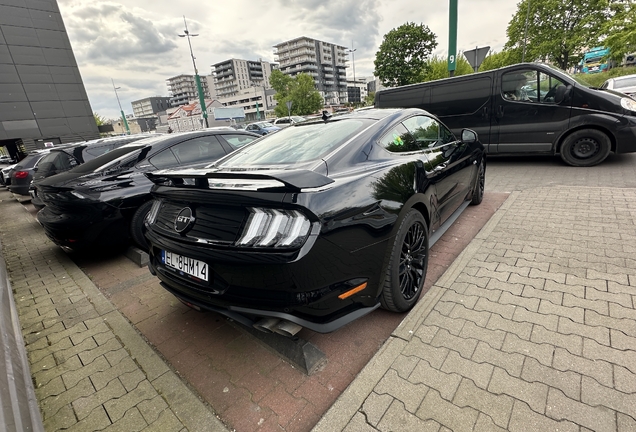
{"x":65,"y":157}
{"x":262,"y":128}
{"x":624,"y":84}
{"x":5,"y":179}
{"x":6,"y":160}
{"x":283,"y":122}
{"x":103,"y":202}
{"x":22,"y":173}
{"x":528,"y":108}
{"x":315,"y":225}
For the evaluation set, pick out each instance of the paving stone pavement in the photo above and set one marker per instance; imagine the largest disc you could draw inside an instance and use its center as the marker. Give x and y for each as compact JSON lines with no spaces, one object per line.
{"x":91,"y":369}
{"x":533,"y":327}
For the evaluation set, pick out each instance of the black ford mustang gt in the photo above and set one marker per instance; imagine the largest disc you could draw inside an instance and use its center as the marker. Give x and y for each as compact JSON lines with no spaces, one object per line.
{"x":317,"y":224}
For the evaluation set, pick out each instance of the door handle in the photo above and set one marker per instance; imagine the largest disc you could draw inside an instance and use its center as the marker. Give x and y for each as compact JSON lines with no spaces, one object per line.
{"x":500,"y":111}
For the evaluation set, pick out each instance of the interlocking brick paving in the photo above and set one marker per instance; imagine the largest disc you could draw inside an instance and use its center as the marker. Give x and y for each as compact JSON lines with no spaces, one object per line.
{"x":249,"y":387}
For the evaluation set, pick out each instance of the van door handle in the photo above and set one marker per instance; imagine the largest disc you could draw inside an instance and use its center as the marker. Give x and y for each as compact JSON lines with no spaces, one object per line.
{"x":500,"y":111}
{"x":485,"y":112}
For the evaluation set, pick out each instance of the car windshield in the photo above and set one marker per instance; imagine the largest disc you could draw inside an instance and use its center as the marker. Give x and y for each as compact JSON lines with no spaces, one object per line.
{"x":625,"y":82}
{"x":304,"y":143}
{"x":264,"y":124}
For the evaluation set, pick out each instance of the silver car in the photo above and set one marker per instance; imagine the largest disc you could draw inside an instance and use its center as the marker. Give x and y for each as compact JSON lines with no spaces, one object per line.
{"x":624,"y":84}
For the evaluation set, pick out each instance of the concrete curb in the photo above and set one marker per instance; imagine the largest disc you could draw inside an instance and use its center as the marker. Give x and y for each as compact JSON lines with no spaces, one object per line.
{"x":352,"y":399}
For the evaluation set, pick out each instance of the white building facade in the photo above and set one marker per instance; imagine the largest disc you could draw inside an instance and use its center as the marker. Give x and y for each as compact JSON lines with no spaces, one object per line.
{"x":324,"y":61}
{"x":183,"y":89}
{"x":245,"y":84}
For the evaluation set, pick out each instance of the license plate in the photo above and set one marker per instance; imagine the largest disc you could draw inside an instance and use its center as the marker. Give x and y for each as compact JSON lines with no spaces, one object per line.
{"x":190,"y":266}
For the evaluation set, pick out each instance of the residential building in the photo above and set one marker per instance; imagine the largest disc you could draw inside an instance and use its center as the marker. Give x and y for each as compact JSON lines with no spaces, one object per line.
{"x":150,"y":106}
{"x":42,"y":96}
{"x":233,"y":75}
{"x":249,"y":99}
{"x":189,"y":117}
{"x":357,"y":90}
{"x":183,"y":89}
{"x":324,"y":61}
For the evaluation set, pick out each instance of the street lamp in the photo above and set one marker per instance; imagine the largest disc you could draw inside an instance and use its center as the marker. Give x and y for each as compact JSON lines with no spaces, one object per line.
{"x":353,"y":62}
{"x":258,"y":112}
{"x":197,"y":79}
{"x":123,"y":117}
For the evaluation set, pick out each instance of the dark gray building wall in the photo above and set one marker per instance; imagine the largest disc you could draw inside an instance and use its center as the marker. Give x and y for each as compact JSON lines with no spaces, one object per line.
{"x":42,"y":96}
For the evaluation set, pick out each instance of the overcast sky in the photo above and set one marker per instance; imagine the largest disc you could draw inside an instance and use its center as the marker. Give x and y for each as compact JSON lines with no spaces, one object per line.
{"x":135,"y":42}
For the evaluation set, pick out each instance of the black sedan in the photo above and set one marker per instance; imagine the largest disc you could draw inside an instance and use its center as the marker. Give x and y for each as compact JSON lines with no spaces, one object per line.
{"x":103,"y":202}
{"x":315,"y":225}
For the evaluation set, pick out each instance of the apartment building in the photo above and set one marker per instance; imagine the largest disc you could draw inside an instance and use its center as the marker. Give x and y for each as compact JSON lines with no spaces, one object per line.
{"x":324,"y":61}
{"x":183,"y":89}
{"x":150,"y":106}
{"x":42,"y":96}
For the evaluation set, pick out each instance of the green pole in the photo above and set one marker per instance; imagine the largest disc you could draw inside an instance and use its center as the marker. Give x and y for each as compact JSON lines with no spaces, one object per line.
{"x":452,"y":37}
{"x":123,"y":117}
{"x":204,"y":107}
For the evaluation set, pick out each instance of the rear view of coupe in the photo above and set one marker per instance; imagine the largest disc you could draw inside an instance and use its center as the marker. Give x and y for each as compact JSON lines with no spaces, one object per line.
{"x":317,"y":224}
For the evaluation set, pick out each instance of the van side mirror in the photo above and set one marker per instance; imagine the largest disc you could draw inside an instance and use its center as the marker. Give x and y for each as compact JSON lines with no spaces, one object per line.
{"x":469,"y":136}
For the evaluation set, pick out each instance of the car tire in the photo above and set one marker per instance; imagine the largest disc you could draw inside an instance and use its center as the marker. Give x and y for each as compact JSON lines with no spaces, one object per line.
{"x":585,"y":148}
{"x":408,"y":262}
{"x":480,"y":183}
{"x":137,"y":225}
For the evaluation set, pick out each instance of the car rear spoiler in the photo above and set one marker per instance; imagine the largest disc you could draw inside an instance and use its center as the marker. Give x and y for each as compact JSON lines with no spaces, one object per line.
{"x":292,"y":179}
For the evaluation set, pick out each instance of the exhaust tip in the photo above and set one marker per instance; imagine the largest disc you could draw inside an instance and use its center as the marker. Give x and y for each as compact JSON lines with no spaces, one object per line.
{"x":266,"y":325}
{"x":287,"y":328}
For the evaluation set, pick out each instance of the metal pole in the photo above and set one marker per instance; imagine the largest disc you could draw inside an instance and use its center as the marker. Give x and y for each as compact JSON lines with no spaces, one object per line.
{"x":353,"y":63}
{"x":525,"y":33}
{"x":197,"y":79}
{"x":123,"y":117}
{"x":258,"y":112}
{"x":452,"y":37}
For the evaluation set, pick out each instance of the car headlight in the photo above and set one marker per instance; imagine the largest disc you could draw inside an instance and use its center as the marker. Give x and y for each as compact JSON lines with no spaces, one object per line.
{"x":274,"y":228}
{"x":628,"y":104}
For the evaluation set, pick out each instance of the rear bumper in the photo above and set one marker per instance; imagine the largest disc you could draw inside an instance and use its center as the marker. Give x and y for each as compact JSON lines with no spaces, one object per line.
{"x":304,"y":290}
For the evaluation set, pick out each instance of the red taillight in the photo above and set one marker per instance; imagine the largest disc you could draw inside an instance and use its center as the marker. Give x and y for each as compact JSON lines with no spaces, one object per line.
{"x":21,"y":174}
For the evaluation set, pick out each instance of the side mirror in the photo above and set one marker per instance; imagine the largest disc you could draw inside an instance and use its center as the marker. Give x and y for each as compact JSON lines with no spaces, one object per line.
{"x":469,"y":136}
{"x":561,"y":93}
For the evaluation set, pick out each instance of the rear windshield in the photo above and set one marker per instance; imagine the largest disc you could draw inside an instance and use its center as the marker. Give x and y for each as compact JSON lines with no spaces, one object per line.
{"x":304,"y":143}
{"x":29,"y":161}
{"x":105,"y":159}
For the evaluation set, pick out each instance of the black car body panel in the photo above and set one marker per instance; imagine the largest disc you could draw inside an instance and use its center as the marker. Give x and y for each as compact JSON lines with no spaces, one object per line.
{"x":93,"y":204}
{"x":353,"y":198}
{"x":539,"y":124}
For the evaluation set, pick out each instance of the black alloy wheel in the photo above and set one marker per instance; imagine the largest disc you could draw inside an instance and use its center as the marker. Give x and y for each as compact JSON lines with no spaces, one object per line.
{"x":480,"y":185}
{"x":407,"y":265}
{"x":137,"y":225}
{"x":586,"y":147}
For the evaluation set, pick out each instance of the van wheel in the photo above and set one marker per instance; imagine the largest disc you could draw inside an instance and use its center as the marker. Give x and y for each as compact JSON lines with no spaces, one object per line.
{"x":586,"y":147}
{"x":406,"y":272}
{"x":137,"y":225}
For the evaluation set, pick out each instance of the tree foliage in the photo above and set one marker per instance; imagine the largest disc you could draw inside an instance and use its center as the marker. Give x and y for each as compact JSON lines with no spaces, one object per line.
{"x":558,"y":31}
{"x":621,"y":29}
{"x":369,"y":99}
{"x":300,"y":90}
{"x":437,"y":68}
{"x":99,"y":120}
{"x":402,"y":56}
{"x":499,"y":59}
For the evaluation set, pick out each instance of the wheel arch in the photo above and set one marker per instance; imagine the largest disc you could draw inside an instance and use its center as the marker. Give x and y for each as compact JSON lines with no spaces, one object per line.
{"x":599,"y":128}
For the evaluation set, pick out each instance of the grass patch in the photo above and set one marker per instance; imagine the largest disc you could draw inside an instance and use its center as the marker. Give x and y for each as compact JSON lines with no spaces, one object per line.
{"x":595,"y":80}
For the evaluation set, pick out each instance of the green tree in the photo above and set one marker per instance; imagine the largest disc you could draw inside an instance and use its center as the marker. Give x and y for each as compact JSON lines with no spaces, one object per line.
{"x":369,"y":99}
{"x":99,"y":120}
{"x":558,"y":31}
{"x":437,"y":67}
{"x":300,"y":90}
{"x":499,"y":59}
{"x":402,"y":56}
{"x":621,"y":29}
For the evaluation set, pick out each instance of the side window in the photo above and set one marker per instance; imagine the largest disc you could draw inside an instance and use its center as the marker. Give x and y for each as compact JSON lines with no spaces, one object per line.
{"x":399,"y":140}
{"x":202,"y":149}
{"x":426,"y":131}
{"x":250,"y":127}
{"x":549,"y":87}
{"x":98,"y":150}
{"x":238,"y":141}
{"x":520,"y":86}
{"x":164,"y":159}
